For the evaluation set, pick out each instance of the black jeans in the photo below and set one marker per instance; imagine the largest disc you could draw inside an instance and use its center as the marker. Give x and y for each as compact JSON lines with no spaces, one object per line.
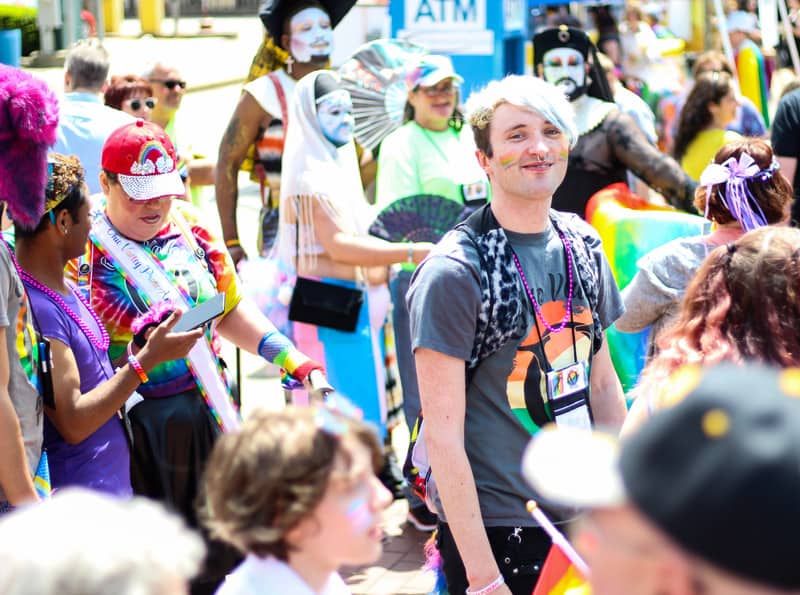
{"x":519,"y":552}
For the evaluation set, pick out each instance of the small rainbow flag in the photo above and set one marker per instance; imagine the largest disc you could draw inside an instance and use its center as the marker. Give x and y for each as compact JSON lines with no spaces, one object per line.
{"x":41,"y":481}
{"x":559,"y":576}
{"x":564,"y":571}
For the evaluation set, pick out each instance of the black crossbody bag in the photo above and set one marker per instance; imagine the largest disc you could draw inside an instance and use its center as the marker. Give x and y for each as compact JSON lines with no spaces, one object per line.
{"x":323,"y":304}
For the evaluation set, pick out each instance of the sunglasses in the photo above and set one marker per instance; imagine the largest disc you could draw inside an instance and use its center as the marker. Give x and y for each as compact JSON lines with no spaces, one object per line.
{"x":171,"y":83}
{"x":439,"y":91}
{"x":136,"y":104}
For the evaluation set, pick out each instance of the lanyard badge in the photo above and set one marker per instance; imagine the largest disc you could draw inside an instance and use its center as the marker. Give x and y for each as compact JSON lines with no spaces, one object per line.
{"x":567,"y":391}
{"x":475,"y":194}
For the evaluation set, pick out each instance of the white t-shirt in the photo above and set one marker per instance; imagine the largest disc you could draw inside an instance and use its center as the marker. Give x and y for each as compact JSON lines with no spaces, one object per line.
{"x":270,"y":576}
{"x":269,"y":148}
{"x":263,"y":91}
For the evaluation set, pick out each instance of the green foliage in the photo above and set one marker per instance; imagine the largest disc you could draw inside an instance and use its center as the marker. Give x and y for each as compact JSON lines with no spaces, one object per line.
{"x":21,"y":17}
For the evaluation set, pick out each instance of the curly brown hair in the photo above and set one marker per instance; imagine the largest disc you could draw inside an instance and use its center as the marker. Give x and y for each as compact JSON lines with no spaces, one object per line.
{"x":124,"y":87}
{"x":773,"y":195}
{"x":65,"y":181}
{"x":710,"y":87}
{"x":262,"y":481}
{"x":743,"y":304}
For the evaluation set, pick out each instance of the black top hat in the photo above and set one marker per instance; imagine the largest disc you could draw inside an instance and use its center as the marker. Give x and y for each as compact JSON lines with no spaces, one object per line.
{"x":560,"y":37}
{"x":273,"y":13}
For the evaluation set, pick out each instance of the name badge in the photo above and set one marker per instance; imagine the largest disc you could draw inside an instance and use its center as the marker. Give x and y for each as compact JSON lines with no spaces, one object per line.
{"x":568,"y":396}
{"x":475,"y":194}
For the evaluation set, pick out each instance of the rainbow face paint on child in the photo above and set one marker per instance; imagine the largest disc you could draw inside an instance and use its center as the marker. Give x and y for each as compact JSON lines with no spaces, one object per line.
{"x":358,"y":514}
{"x":508,"y":159}
{"x":563,"y":155}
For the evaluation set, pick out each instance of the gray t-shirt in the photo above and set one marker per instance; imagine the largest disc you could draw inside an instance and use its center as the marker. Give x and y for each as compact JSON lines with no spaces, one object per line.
{"x":654,"y":295}
{"x":15,"y":317}
{"x":506,"y":399}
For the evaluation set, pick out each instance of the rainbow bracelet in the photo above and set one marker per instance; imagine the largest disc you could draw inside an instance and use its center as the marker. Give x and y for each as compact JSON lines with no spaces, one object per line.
{"x":137,"y":367}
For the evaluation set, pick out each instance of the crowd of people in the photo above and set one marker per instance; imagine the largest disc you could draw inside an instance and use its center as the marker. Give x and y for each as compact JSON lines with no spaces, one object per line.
{"x":110,"y":401}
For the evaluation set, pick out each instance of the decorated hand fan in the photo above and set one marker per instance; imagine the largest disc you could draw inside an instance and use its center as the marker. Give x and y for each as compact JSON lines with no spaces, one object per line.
{"x":419,"y":218}
{"x":375,"y":77}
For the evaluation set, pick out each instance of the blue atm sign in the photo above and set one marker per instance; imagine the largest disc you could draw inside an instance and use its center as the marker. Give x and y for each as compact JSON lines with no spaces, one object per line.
{"x":448,"y":26}
{"x":444,"y":11}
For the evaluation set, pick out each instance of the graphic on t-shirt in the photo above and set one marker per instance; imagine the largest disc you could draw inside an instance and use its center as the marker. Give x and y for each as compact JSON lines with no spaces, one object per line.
{"x":527,"y":384}
{"x":270,"y":146}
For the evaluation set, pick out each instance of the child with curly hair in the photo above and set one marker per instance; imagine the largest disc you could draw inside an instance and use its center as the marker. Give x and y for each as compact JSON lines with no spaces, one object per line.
{"x":296,"y":491}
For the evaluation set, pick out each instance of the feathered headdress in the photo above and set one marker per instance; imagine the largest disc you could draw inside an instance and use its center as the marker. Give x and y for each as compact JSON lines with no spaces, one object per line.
{"x":28,"y":122}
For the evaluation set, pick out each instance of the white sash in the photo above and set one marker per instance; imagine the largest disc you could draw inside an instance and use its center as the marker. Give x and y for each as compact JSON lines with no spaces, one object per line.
{"x":149,"y":277}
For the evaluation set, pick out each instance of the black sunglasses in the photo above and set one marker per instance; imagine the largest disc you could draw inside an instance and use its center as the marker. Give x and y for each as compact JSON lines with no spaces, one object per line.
{"x":136,"y":104}
{"x":171,"y":83}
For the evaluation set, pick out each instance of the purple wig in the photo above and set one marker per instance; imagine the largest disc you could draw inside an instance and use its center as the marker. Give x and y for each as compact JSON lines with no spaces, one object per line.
{"x":28,"y":122}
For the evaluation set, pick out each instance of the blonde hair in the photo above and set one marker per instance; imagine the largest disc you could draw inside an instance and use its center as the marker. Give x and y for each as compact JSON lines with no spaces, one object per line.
{"x":522,"y":91}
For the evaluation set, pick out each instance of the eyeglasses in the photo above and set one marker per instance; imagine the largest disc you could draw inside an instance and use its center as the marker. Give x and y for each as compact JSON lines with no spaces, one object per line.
{"x":439,"y":91}
{"x":136,"y":104}
{"x":171,"y":83}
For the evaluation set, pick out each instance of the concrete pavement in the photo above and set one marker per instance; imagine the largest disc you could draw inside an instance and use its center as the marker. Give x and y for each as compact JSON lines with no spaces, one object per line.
{"x":205,"y":60}
{"x":208,"y":62}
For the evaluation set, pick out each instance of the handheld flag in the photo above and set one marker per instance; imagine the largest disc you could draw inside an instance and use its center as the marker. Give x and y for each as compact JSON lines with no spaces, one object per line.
{"x":41,"y":481}
{"x":564,"y":571}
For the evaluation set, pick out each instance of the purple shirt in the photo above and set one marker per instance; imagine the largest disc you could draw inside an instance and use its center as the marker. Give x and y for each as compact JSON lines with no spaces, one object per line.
{"x":101,"y":461}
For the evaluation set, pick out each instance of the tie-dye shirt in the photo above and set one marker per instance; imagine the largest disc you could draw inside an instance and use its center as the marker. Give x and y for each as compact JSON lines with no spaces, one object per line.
{"x":199,"y":276}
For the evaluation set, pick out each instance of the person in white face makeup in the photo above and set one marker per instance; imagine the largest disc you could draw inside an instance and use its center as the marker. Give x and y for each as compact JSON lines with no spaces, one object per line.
{"x":609,"y":143}
{"x":303,"y":31}
{"x":322,"y":191}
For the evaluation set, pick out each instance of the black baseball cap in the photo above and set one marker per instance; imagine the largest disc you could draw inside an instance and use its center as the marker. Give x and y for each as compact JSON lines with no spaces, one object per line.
{"x":719,"y":472}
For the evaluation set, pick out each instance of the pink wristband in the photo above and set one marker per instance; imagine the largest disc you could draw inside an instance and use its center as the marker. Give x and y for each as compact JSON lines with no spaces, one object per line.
{"x":490,"y":588}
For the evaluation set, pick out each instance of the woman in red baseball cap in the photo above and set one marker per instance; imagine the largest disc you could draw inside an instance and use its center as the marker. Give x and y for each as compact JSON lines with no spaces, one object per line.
{"x":148,"y":254}
{"x":84,"y":430}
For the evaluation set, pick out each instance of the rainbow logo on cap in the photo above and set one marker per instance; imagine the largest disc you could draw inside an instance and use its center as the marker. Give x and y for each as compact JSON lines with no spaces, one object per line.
{"x":153,"y":158}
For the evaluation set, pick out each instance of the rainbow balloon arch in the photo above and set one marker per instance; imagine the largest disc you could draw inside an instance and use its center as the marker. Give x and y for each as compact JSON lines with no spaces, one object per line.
{"x":630,"y":227}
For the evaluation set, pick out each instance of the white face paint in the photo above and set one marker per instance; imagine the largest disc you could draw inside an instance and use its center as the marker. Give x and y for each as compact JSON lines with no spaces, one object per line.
{"x":565,"y":68}
{"x":311,"y":35}
{"x":335,"y":117}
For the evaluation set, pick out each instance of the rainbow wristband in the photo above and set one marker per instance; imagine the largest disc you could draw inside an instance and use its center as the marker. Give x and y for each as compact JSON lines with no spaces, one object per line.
{"x":137,"y":367}
{"x":276,"y":347}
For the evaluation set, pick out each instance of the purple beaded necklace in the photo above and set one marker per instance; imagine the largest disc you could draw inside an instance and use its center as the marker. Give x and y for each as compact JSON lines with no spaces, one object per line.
{"x":100,"y":344}
{"x":568,"y":312}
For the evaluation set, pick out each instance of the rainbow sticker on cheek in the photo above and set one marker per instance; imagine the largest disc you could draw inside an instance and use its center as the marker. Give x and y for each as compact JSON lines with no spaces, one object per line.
{"x":508,"y":159}
{"x":563,"y":155}
{"x":358,"y":514}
